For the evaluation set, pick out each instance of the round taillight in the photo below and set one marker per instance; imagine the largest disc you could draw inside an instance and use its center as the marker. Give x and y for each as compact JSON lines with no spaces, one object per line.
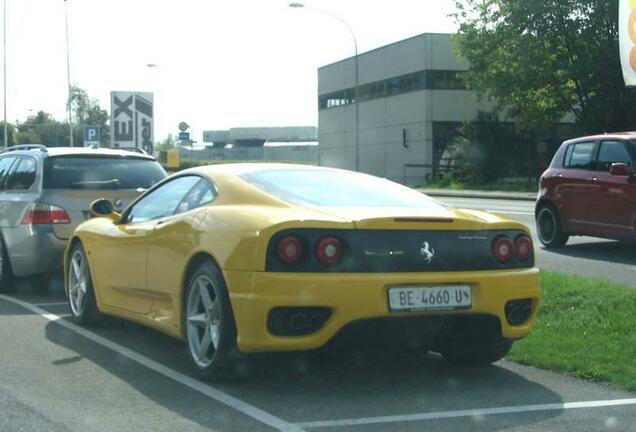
{"x":289,"y":249}
{"x":328,"y":250}
{"x":523,"y":247}
{"x":502,"y":249}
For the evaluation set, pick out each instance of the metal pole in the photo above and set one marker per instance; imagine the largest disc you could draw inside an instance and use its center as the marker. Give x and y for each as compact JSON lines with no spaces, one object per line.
{"x":4,"y":73}
{"x":357,"y":102}
{"x":68,"y":76}
{"x":355,"y":43}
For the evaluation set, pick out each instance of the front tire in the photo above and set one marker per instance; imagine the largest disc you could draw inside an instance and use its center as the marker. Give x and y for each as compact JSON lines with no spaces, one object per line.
{"x":81,"y":295}
{"x":209,"y":324}
{"x":549,"y":228}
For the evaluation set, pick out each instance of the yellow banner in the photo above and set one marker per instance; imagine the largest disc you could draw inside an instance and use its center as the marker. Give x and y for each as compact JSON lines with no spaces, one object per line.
{"x":174,"y":159}
{"x":627,"y":39}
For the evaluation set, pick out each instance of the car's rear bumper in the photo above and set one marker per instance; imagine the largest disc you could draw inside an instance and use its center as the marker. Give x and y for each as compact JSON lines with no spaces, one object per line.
{"x":33,"y":250}
{"x":358,"y":296}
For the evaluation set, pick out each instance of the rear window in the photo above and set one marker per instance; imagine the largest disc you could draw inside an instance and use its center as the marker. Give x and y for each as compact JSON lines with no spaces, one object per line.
{"x":332,"y":188}
{"x":78,"y":172}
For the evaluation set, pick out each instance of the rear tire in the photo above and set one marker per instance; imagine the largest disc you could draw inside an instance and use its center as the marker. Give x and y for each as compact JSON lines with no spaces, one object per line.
{"x":79,"y":289}
{"x":6,"y":277}
{"x":549,"y":228}
{"x":209,"y":324}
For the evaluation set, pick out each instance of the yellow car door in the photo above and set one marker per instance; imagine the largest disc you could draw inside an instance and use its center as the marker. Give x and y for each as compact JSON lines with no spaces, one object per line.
{"x":123,"y":276}
{"x":171,"y":244}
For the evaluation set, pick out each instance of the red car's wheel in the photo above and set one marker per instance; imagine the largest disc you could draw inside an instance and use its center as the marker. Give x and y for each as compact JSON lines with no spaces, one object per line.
{"x":549,"y":227}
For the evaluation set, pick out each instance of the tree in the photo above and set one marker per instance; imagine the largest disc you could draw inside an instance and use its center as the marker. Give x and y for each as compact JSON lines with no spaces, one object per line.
{"x":487,"y":149}
{"x":87,"y":112}
{"x":11,"y":137}
{"x":166,"y":144}
{"x":42,"y":125}
{"x":542,"y":59}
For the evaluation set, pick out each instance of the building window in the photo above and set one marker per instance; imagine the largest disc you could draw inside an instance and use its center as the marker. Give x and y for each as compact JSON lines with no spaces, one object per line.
{"x":420,"y":80}
{"x":447,"y":80}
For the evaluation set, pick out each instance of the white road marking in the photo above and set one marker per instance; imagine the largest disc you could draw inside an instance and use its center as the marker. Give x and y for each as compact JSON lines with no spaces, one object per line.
{"x":468,"y":413}
{"x":50,"y":304}
{"x":207,"y":390}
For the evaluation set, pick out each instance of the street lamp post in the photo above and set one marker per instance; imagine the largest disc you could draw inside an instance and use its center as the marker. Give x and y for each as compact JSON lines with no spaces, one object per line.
{"x":68,"y":76}
{"x":4,"y":68}
{"x":357,"y":101}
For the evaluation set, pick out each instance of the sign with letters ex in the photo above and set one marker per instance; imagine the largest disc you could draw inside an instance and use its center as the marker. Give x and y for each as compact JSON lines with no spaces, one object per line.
{"x":132,"y":120}
{"x":91,"y":136}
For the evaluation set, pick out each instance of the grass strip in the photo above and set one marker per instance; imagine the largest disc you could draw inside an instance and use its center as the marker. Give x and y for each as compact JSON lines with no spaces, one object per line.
{"x":585,"y":328}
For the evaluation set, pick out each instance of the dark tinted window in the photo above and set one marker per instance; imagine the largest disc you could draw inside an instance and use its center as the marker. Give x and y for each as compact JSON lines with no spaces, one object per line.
{"x":5,"y":165}
{"x":580,"y":156}
{"x":23,"y":175}
{"x":327,"y":187}
{"x":82,"y":172}
{"x":163,"y":201}
{"x":611,"y":152}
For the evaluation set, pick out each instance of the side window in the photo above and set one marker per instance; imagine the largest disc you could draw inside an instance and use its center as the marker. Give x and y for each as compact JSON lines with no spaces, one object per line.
{"x":23,"y":175}
{"x":580,"y":155}
{"x":162,"y":201}
{"x":201,"y":193}
{"x":5,"y":166}
{"x":612,"y":152}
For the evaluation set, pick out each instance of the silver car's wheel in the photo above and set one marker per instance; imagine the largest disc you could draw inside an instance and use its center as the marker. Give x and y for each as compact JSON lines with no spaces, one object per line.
{"x":81,"y":297}
{"x":209,"y":323}
{"x":203,"y":321}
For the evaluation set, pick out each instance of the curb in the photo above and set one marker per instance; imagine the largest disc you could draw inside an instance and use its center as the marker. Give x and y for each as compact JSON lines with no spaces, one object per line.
{"x":501,"y":195}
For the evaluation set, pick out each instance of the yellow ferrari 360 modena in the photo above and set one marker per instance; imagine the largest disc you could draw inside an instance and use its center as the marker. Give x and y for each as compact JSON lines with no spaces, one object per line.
{"x":273,"y":257}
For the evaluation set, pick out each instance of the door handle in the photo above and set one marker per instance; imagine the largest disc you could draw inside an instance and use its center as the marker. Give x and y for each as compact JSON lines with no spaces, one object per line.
{"x":594,"y":179}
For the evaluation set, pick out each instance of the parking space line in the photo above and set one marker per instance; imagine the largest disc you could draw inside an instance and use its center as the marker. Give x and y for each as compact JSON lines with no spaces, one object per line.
{"x":194,"y":384}
{"x":467,"y":413}
{"x":50,"y":304}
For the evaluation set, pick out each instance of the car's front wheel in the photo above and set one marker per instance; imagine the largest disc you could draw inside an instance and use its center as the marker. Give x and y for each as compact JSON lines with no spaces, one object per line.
{"x":209,"y":323}
{"x":81,"y":296}
{"x":549,"y":227}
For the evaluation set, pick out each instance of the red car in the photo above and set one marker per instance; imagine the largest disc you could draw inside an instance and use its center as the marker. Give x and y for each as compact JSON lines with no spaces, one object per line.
{"x":589,"y":189}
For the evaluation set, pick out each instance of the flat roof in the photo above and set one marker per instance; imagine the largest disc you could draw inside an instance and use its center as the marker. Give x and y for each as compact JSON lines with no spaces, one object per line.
{"x":385,"y":46}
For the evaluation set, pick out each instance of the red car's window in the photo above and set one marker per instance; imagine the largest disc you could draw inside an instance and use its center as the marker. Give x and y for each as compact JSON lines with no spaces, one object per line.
{"x":580,"y":155}
{"x":612,"y":152}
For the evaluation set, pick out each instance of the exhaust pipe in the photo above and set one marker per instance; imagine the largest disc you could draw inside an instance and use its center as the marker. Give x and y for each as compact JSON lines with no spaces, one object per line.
{"x":299,"y":321}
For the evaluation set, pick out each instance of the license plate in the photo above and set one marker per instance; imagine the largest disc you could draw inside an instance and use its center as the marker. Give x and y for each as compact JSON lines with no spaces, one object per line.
{"x":430,"y":298}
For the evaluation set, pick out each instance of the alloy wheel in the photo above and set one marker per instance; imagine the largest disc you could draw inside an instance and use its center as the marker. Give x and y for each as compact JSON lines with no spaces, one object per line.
{"x":547,"y":225}
{"x":77,"y":283}
{"x":203,"y":321}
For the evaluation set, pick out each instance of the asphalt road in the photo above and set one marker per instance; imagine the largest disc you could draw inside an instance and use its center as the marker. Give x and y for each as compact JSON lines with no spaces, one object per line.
{"x":118,"y":376}
{"x":582,"y":256}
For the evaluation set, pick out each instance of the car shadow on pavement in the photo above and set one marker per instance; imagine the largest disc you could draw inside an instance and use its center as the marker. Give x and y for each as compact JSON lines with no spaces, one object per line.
{"x":356,"y":382}
{"x":44,"y":289}
{"x":611,"y":251}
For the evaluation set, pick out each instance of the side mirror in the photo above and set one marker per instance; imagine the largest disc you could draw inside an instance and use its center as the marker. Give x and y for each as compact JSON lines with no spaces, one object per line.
{"x":104,"y":207}
{"x":620,"y":169}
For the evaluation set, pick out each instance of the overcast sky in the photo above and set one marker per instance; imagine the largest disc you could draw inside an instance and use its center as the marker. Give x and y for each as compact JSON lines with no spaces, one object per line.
{"x":220,"y":63}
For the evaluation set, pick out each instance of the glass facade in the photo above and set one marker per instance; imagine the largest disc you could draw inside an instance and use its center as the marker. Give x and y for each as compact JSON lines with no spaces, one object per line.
{"x":421,"y":80}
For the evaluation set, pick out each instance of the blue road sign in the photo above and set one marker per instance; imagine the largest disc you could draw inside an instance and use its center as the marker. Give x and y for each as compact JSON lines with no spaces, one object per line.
{"x":184,"y":136}
{"x":91,"y":134}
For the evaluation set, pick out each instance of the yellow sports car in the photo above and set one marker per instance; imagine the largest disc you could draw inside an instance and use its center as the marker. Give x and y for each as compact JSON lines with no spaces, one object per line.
{"x":273,"y":257}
